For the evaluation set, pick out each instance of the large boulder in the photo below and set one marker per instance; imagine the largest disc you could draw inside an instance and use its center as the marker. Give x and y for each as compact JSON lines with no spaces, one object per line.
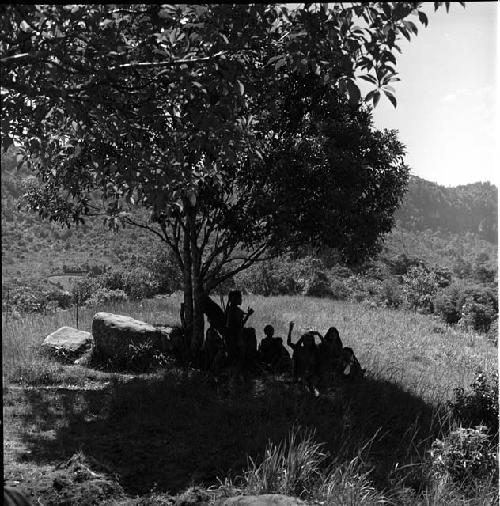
{"x":68,"y":344}
{"x":261,"y":500}
{"x":115,"y":335}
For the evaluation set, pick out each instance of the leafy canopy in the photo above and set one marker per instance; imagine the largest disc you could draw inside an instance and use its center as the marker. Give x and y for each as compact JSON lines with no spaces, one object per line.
{"x":213,"y":110}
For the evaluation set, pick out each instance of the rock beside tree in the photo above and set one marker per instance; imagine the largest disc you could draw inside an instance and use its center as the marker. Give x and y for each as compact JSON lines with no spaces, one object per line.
{"x":68,"y":344}
{"x":117,"y":336}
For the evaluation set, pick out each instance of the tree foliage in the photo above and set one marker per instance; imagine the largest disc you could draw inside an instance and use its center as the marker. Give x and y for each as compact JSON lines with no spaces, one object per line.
{"x":223,"y":120}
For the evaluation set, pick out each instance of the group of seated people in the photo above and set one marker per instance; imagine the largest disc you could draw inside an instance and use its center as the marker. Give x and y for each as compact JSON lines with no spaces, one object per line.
{"x":317,"y":366}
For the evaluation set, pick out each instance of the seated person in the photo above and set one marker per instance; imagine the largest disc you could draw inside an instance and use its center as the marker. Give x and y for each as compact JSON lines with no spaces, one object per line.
{"x":329,"y":355}
{"x":351,"y":369}
{"x":248,"y":349}
{"x":305,"y":359}
{"x":211,"y":347}
{"x":272,"y":353}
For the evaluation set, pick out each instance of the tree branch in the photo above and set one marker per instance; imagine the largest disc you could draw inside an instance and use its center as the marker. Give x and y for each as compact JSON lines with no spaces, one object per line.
{"x":171,"y":63}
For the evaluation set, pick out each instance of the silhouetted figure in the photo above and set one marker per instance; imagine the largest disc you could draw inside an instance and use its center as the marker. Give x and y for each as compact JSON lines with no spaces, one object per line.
{"x":351,"y":369}
{"x":272,"y":354}
{"x":211,"y":347}
{"x":305,"y":359}
{"x":329,"y":356}
{"x":215,"y":314}
{"x":248,"y":351}
{"x":235,"y":321}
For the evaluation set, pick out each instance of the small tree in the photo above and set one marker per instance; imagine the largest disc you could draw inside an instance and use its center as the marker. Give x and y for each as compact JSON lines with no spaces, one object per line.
{"x":200,"y":114}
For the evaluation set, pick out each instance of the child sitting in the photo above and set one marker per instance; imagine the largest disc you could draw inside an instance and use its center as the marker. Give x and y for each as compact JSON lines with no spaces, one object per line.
{"x":350,"y":368}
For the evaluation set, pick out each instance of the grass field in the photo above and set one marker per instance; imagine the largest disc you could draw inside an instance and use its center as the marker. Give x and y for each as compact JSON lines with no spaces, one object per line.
{"x":170,"y":430}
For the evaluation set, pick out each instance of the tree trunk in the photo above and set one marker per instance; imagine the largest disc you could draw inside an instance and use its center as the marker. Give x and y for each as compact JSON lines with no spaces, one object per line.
{"x":187,"y":285}
{"x":197,"y":285}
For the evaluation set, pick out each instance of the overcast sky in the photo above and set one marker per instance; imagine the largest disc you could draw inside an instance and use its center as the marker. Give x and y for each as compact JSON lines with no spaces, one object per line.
{"x":448,"y":96}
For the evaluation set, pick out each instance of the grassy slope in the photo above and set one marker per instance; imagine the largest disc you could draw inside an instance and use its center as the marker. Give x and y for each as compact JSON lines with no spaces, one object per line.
{"x":180,"y":429}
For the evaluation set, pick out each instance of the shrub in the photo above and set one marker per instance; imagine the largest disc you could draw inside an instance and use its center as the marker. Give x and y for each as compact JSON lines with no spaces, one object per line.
{"x":114,"y":279}
{"x":279,"y":276}
{"x":142,"y":357}
{"x":401,"y":263}
{"x":318,"y":285}
{"x":338,"y":289}
{"x":84,"y":288}
{"x":419,"y":286}
{"x":465,"y":456}
{"x":104,"y":296}
{"x":479,"y":406}
{"x":391,"y":293}
{"x":62,"y":297}
{"x":140,"y":283}
{"x":447,"y":304}
{"x":478,"y":315}
{"x":474,"y":306}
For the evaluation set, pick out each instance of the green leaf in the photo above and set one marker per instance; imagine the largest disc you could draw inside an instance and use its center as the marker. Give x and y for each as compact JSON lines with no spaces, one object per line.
{"x":353,"y":91}
{"x":242,"y":88}
{"x":369,"y":78}
{"x":374,"y":95}
{"x":422,"y":16}
{"x":391,"y":97}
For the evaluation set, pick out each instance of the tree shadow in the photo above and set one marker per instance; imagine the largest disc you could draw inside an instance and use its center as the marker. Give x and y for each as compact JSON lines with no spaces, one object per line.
{"x":184,"y":428}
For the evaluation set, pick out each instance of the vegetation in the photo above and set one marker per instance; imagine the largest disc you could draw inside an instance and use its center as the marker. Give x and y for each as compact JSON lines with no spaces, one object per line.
{"x":202,"y":114}
{"x":367,"y":442}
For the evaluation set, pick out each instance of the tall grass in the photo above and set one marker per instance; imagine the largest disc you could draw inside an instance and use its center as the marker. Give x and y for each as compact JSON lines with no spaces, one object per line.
{"x":415,"y":351}
{"x":21,"y":338}
{"x":413,"y":362}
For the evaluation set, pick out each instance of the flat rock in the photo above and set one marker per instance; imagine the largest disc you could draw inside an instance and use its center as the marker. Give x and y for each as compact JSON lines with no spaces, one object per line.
{"x":68,"y":344}
{"x":113,"y":334}
{"x":261,"y":500}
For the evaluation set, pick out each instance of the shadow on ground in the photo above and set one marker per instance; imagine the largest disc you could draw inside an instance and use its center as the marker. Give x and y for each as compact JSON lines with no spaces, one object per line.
{"x":183,"y":428}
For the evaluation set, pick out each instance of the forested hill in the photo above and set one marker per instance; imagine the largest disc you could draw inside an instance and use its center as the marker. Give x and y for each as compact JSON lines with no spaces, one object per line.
{"x":461,"y":209}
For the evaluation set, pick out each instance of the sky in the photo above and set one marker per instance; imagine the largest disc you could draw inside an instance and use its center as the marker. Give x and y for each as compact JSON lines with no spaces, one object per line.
{"x":448,"y":103}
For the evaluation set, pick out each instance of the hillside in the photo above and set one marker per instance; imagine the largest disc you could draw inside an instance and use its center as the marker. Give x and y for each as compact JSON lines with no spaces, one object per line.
{"x":446,"y":227}
{"x":469,"y":208}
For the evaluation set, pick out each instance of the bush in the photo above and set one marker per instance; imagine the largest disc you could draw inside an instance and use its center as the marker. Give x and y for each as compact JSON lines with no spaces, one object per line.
{"x":164,"y":270}
{"x":84,"y":288}
{"x":63,"y":298}
{"x":401,"y":263}
{"x":479,"y":406}
{"x":419,"y":286}
{"x":474,"y":306}
{"x":104,"y":296}
{"x":391,"y":293}
{"x":447,"y":304}
{"x":478,"y":315}
{"x":338,"y":290}
{"x":465,"y":456}
{"x":28,"y":299}
{"x":284,"y":276}
{"x":318,"y":285}
{"x":143,"y":357}
{"x":140,"y":283}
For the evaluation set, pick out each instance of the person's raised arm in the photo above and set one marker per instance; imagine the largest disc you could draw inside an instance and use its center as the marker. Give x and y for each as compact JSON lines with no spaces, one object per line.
{"x":249,"y":313}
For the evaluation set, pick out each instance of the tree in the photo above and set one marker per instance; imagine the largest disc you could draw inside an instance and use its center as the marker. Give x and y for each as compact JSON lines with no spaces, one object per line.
{"x":179,"y":109}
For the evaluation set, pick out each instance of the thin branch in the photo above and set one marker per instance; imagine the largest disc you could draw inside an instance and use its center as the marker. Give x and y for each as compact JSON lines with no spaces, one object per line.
{"x":248,"y":261}
{"x":171,"y":63}
{"x":146,"y":227}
